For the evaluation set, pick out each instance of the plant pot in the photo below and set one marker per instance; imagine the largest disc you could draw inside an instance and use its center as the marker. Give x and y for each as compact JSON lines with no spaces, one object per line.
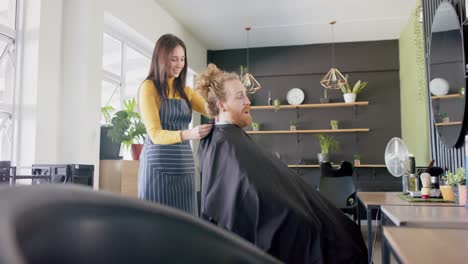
{"x":462,"y":195}
{"x":322,"y":157}
{"x":108,"y":150}
{"x":349,"y":97}
{"x":292,"y":128}
{"x":446,"y":120}
{"x":455,"y":193}
{"x":325,"y":100}
{"x":136,"y":151}
{"x":447,"y":192}
{"x":335,"y":127}
{"x":357,"y":162}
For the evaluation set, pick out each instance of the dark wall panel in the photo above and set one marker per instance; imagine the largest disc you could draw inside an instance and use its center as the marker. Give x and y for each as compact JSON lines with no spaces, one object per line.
{"x":279,"y":69}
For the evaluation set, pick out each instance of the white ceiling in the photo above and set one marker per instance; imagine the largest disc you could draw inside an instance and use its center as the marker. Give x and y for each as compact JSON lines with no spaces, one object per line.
{"x":220,"y":23}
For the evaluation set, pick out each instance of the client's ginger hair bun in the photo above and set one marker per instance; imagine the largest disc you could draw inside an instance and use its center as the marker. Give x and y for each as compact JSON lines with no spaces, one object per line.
{"x":210,"y":85}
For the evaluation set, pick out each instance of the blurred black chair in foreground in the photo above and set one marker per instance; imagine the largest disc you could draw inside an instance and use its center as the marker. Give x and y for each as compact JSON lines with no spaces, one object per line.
{"x":74,"y":224}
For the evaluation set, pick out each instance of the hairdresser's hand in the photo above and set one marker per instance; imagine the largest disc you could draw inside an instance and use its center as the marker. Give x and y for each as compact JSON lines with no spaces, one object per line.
{"x":197,"y":132}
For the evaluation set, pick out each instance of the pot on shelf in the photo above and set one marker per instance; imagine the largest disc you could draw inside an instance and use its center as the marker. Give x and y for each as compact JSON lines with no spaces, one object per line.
{"x":349,"y":97}
{"x":322,"y":157}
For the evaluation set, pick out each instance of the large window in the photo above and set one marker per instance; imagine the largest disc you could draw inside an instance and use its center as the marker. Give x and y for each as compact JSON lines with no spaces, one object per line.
{"x":124,"y":68}
{"x":8,"y":21}
{"x":125,"y":65}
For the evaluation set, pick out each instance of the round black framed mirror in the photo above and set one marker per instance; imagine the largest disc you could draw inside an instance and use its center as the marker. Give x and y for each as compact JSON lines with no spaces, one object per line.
{"x":447,"y":75}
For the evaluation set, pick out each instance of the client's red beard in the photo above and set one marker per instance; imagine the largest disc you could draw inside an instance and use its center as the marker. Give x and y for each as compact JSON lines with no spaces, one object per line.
{"x":242,"y":119}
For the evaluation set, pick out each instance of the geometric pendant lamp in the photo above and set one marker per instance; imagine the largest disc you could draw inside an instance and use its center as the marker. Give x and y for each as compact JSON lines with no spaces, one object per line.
{"x":249,"y":82}
{"x":333,"y":79}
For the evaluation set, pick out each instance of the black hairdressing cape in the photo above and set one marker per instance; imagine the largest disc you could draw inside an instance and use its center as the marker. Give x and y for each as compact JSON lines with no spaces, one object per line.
{"x":253,"y":194}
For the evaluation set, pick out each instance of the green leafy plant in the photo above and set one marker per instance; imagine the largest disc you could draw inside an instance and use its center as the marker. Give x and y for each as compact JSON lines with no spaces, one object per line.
{"x":293,"y":123}
{"x":127,"y":126}
{"x":106,"y":113}
{"x":277,"y":104}
{"x":255,"y":126}
{"x":357,"y":88}
{"x":457,"y":178}
{"x":357,"y":156}
{"x":334,"y":124}
{"x":328,"y":143}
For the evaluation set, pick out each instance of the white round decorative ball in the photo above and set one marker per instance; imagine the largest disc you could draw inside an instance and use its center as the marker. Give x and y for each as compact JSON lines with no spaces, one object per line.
{"x":439,"y":86}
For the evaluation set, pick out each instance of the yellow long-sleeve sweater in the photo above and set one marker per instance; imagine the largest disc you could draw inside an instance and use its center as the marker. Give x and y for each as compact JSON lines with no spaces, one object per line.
{"x":150,"y":104}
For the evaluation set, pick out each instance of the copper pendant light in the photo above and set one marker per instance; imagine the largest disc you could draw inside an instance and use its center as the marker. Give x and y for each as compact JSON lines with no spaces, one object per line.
{"x":333,"y":79}
{"x":248,"y":80}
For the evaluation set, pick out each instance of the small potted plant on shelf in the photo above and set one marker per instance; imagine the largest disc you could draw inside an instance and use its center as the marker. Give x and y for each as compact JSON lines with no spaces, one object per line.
{"x":277,"y":104}
{"x":458,"y":182}
{"x":445,"y":118}
{"x":128,"y":128}
{"x":292,"y":125}
{"x":327,"y":144}
{"x":334,"y":124}
{"x":357,"y":159}
{"x":349,"y":94}
{"x":462,"y":91}
{"x":255,"y":126}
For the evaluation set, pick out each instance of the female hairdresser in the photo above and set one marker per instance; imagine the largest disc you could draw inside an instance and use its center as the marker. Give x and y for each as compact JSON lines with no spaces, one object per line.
{"x":167,"y":168}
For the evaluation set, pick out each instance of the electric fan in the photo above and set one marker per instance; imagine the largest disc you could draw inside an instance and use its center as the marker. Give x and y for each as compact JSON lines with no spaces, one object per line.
{"x":396,"y":154}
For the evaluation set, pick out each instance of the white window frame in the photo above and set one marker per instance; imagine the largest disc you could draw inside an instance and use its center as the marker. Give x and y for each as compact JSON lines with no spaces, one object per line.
{"x":10,"y":35}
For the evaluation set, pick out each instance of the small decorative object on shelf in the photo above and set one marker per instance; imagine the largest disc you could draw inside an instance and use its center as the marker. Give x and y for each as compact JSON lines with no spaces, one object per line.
{"x":334,"y":124}
{"x":295,"y":96}
{"x":426,"y":183}
{"x":293,"y":124}
{"x":357,"y":159}
{"x":255,"y":126}
{"x":462,"y":91}
{"x":277,"y":104}
{"x":269,"y":97}
{"x":444,"y":118}
{"x":327,"y":143}
{"x":439,"y":86}
{"x":349,"y":94}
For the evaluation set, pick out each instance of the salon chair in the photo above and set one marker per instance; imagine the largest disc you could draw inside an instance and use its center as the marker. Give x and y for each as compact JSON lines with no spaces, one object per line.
{"x":337,"y":185}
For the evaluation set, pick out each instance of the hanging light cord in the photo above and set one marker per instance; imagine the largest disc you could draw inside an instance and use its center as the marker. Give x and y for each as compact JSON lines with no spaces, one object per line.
{"x":333,"y":45}
{"x":247,"y":44}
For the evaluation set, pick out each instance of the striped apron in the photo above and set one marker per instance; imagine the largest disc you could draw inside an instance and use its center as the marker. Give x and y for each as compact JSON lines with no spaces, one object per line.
{"x":166,"y":173}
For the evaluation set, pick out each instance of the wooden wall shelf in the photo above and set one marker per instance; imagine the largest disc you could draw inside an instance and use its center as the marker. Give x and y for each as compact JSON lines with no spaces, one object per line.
{"x":329,"y":105}
{"x":449,"y":124}
{"x":448,"y":96}
{"x":310,"y":131}
{"x":336,"y":165}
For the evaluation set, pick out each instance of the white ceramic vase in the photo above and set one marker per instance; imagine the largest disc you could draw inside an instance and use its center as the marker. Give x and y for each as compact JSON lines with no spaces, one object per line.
{"x":349,"y":97}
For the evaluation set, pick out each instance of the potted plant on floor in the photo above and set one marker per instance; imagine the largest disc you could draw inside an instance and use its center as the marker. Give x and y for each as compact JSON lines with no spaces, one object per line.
{"x":108,"y":148}
{"x":128,"y":128}
{"x":327,"y":144}
{"x":349,"y":94}
{"x":458,"y":182}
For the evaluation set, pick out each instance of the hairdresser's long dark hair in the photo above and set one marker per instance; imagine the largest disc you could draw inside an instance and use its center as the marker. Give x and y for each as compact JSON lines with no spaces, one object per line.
{"x":158,"y":70}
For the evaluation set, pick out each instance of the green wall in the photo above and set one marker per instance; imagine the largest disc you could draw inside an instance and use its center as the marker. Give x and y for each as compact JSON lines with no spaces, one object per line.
{"x":414,"y":109}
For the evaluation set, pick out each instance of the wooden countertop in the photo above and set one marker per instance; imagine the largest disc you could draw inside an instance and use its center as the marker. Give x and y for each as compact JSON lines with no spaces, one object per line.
{"x":420,"y":245}
{"x":391,"y":198}
{"x":427,"y":216}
